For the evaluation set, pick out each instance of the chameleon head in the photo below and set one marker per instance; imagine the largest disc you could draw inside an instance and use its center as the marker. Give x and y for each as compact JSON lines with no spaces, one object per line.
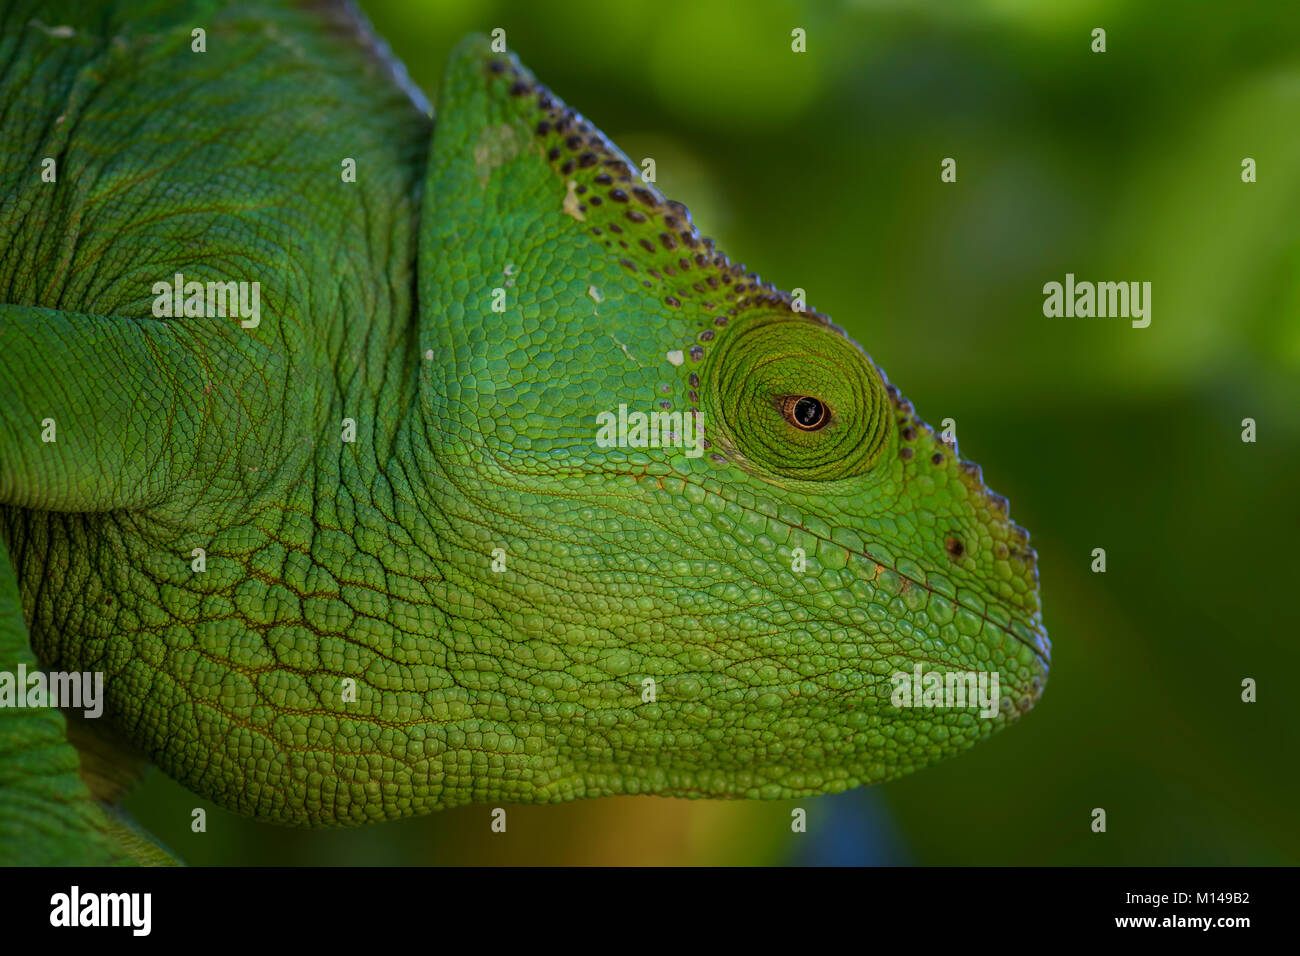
{"x":732,"y":560}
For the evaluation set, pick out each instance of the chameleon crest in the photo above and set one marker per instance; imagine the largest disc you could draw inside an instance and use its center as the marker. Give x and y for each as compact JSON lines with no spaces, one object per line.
{"x":519,"y":490}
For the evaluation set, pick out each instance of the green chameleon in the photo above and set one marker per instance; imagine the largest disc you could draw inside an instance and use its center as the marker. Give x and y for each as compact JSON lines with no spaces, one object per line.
{"x":362,"y":555}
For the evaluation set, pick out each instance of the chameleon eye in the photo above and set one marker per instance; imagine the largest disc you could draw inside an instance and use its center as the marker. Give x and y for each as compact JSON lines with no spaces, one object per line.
{"x":788,"y":398}
{"x":806,"y":412}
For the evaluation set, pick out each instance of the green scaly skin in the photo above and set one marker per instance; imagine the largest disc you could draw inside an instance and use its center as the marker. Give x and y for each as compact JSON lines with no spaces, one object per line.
{"x":475,"y":431}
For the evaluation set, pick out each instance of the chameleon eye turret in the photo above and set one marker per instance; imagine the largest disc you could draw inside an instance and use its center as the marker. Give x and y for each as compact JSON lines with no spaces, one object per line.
{"x":793,"y":397}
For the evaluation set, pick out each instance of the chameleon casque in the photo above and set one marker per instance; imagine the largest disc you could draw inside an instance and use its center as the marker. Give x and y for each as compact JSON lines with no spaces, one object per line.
{"x":496,"y":277}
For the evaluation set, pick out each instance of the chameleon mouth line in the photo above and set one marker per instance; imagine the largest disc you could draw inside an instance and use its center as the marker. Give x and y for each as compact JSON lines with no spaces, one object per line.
{"x":1040,"y":646}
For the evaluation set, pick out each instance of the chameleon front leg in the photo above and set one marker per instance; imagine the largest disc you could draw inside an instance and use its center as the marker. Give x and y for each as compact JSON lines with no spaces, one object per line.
{"x":71,"y":387}
{"x":48,"y":816}
{"x":100,"y":412}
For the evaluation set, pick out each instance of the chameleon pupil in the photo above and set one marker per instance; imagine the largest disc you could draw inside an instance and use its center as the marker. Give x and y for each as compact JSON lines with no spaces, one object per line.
{"x":809,"y":413}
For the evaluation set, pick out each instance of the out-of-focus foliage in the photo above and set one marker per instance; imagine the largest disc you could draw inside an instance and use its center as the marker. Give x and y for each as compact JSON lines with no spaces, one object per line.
{"x":821,"y":170}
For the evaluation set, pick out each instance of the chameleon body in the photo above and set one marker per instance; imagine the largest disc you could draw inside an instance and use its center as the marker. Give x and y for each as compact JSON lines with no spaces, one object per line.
{"x":521,"y":612}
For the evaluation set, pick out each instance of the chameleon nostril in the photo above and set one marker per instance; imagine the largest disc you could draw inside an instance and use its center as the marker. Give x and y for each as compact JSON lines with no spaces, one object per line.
{"x":954,"y":546}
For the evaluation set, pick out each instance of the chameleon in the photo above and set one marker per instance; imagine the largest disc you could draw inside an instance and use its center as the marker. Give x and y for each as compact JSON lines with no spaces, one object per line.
{"x":362,"y":556}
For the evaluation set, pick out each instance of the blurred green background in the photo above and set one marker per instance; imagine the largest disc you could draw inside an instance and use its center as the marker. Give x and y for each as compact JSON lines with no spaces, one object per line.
{"x":822,"y":170}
